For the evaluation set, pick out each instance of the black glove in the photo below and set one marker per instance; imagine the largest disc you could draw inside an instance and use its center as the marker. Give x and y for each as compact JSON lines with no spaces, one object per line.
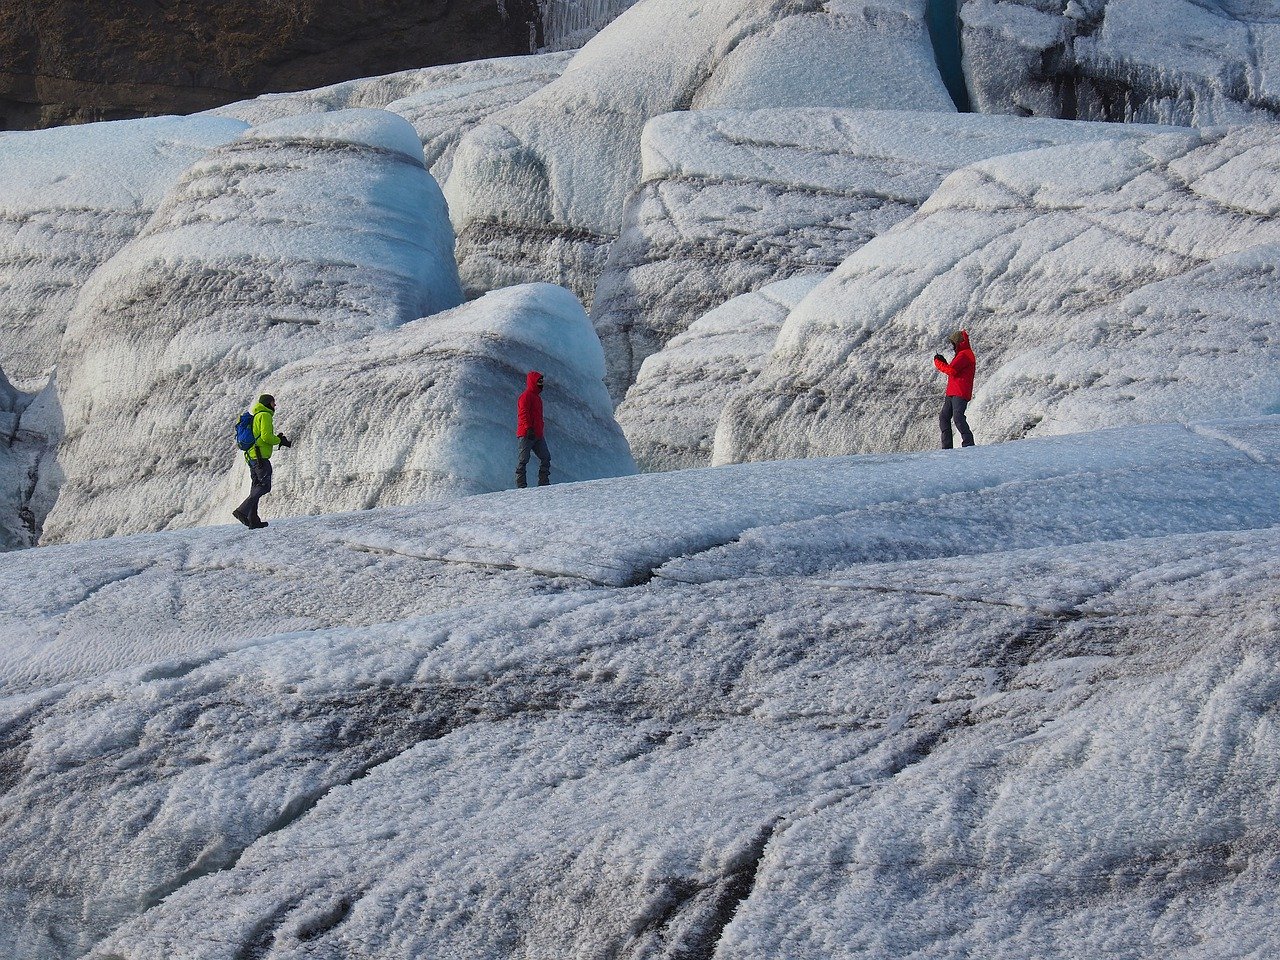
{"x":940,"y":358}
{"x":285,"y":441}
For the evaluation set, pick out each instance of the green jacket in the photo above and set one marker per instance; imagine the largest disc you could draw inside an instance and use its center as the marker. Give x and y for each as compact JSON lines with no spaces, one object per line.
{"x":264,"y":433}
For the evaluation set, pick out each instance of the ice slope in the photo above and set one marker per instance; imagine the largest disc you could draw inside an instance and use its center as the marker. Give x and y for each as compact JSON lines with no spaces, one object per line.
{"x":537,"y":193}
{"x":1192,"y":62}
{"x":69,"y":199}
{"x":427,"y":410}
{"x":459,"y":732}
{"x":308,"y":232}
{"x":442,"y":103}
{"x":670,"y":413}
{"x":731,"y":200}
{"x":1103,"y":284}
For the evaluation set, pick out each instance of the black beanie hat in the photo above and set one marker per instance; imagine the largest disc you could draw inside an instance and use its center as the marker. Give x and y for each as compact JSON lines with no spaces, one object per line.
{"x":268,"y":401}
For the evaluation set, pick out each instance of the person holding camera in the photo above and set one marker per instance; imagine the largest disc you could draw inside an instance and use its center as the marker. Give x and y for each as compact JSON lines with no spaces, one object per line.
{"x":959,"y":389}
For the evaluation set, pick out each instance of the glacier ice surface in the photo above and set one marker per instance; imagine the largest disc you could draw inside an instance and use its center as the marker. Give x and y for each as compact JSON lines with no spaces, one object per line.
{"x":1102,"y":284}
{"x":70,"y":197}
{"x":537,"y":192}
{"x":604,"y":719}
{"x":308,"y":232}
{"x":731,"y":200}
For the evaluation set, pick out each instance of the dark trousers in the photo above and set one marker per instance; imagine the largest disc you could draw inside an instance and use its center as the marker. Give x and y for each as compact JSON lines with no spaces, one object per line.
{"x":259,"y":487}
{"x":533,"y":446}
{"x":953,"y":409}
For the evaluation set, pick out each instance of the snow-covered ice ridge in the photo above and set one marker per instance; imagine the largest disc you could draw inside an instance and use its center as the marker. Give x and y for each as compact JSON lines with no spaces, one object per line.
{"x":442,"y":102}
{"x":307,"y":232}
{"x":1119,"y":282}
{"x":1011,"y":701}
{"x":1192,"y":62}
{"x":537,"y":192}
{"x":731,"y":200}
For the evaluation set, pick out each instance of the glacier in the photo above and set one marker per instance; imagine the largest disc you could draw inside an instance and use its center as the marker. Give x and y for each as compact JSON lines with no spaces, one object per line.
{"x":666,"y":716}
{"x":671,"y":412}
{"x":442,"y":102}
{"x":1189,"y":62}
{"x":731,"y":200}
{"x":537,"y":192}
{"x":70,"y":198}
{"x":426,"y":410}
{"x":1102,"y":284}
{"x":307,"y":232}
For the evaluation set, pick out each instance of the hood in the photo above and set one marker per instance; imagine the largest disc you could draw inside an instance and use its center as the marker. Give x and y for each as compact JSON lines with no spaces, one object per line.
{"x":963,"y":343}
{"x":260,"y":407}
{"x":531,"y":380}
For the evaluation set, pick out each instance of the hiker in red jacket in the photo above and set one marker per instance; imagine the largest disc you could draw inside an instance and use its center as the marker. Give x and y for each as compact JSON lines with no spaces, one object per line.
{"x":530,"y":431}
{"x":959,"y":389}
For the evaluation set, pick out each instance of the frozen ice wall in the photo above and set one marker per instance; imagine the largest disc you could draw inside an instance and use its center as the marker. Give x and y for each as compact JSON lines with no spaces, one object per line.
{"x":442,"y":102}
{"x":1103,"y":284}
{"x":670,"y":413}
{"x":732,"y":200}
{"x":537,"y":193}
{"x":69,"y":199}
{"x":308,"y":232}
{"x":427,"y":410}
{"x":1191,"y":62}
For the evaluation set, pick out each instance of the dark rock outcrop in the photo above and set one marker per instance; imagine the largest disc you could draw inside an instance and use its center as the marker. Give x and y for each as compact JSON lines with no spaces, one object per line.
{"x":64,"y":61}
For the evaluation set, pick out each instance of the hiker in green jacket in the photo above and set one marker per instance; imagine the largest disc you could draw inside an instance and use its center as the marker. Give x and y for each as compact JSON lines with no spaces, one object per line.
{"x":265,"y":440}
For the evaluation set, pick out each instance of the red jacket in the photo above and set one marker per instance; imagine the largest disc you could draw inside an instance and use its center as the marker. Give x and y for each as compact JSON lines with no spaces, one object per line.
{"x":960,"y":370}
{"x":529,"y":408}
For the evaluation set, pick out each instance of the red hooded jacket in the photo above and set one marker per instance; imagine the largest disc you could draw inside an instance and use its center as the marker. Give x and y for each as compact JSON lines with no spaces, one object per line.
{"x":529,"y":408}
{"x":960,"y":370}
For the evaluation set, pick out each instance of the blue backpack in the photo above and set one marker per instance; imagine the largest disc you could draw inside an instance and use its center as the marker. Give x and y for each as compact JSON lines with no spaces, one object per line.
{"x":244,"y":432}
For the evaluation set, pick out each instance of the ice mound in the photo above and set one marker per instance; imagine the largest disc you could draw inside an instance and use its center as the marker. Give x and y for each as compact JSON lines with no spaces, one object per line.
{"x":537,"y":193}
{"x":1102,"y":284}
{"x":404,"y":755}
{"x":732,"y":200}
{"x":427,"y":410}
{"x":71,"y":197}
{"x":670,"y":414}
{"x":1191,"y":62}
{"x":442,"y":103}
{"x":309,"y":232}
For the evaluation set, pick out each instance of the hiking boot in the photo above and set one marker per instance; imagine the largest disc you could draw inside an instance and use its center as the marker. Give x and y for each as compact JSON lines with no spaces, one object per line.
{"x":258,"y":523}
{"x":242,"y":517}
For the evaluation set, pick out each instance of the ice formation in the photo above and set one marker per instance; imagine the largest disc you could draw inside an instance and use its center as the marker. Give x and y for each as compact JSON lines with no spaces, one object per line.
{"x":537,"y":193}
{"x":1192,"y":62}
{"x":442,"y":103}
{"x":1103,"y":284}
{"x":427,"y":410}
{"x":731,"y":200}
{"x":670,"y":414}
{"x":308,"y":232}
{"x":71,"y":197}
{"x":895,"y":705}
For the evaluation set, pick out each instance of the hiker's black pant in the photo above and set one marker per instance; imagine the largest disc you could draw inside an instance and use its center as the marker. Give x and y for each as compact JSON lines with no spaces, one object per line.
{"x":953,"y":409}
{"x":536,"y":446}
{"x":259,"y":487}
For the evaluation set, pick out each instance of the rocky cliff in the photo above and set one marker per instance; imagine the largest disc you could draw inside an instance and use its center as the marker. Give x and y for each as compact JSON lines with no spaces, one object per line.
{"x":63,"y":61}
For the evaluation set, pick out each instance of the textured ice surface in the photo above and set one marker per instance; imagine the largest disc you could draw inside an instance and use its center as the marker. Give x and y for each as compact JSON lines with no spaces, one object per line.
{"x":442,"y":103}
{"x":69,"y":199}
{"x":670,"y":413}
{"x":732,"y":200}
{"x":451,"y":730}
{"x":309,"y":232}
{"x":538,"y":192}
{"x":427,"y":410}
{"x":1193,"y":62}
{"x":1104,"y":284}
